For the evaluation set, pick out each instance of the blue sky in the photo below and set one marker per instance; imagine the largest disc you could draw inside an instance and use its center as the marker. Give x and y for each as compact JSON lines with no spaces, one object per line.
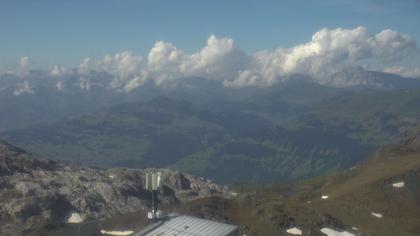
{"x":65,"y":32}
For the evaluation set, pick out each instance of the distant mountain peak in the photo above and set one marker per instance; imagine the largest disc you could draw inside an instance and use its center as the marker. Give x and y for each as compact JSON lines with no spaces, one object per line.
{"x":361,"y":78}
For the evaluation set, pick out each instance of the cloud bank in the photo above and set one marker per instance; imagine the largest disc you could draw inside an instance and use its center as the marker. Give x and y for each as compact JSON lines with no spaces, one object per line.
{"x":220,"y":59}
{"x":328,"y":51}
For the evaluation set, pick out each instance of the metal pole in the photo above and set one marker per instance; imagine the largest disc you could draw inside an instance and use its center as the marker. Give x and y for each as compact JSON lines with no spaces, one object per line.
{"x":154,"y":201}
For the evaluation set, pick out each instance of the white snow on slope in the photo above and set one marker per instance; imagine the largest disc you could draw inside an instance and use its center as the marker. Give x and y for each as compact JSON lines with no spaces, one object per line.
{"x":294,"y":231}
{"x":398,"y":185}
{"x":74,"y":218}
{"x":377,"y":215}
{"x":118,"y":233}
{"x":324,"y":197}
{"x":331,"y":232}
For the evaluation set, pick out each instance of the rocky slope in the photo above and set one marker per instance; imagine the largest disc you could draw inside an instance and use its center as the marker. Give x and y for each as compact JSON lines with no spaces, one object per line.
{"x":39,"y":193}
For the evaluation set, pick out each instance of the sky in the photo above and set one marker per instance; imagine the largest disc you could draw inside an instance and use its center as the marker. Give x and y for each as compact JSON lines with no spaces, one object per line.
{"x":50,"y":32}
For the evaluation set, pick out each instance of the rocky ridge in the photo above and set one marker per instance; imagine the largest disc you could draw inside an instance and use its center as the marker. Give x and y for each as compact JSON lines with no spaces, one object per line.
{"x":35,"y":193}
{"x":409,"y":143}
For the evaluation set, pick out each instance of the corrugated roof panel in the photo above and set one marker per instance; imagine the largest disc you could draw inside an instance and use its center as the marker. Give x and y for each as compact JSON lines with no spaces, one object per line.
{"x":191,"y":226}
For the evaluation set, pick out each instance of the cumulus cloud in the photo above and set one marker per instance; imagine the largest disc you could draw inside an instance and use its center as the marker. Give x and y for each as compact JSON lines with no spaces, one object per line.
{"x":219,"y":59}
{"x":163,"y":64}
{"x":390,"y":46}
{"x":163,"y":56}
{"x":121,"y":64}
{"x":328,"y":51}
{"x":85,"y":66}
{"x":124,"y":66}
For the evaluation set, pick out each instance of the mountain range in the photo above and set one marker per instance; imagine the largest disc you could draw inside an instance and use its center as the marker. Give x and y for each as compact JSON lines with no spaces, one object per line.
{"x":42,"y":96}
{"x":291,"y":130}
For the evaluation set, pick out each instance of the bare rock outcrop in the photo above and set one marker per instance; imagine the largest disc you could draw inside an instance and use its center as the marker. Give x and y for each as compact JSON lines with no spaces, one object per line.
{"x":34,"y":191}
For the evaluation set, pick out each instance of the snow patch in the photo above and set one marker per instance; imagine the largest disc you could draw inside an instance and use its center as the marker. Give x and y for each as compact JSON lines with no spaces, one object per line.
{"x":111,"y":176}
{"x":331,"y":232}
{"x":398,"y":185}
{"x":120,"y":233}
{"x":377,"y":215}
{"x":294,"y":231}
{"x":324,"y":197}
{"x":74,"y":218}
{"x":354,"y":228}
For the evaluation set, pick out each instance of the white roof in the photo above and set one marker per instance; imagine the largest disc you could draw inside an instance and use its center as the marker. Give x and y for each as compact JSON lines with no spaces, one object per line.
{"x":191,"y":226}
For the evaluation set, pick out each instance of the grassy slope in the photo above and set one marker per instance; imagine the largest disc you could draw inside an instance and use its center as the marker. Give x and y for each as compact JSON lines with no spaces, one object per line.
{"x":369,"y":189}
{"x":353,"y":195}
{"x":371,"y":117}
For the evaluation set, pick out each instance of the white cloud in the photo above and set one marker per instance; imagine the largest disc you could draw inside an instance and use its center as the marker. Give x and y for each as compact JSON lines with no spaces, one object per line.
{"x":164,"y":55}
{"x":328,"y":51}
{"x":124,"y":66}
{"x":219,"y":59}
{"x":121,"y":64}
{"x":85,"y":66}
{"x":163,"y":63}
{"x":390,"y":46}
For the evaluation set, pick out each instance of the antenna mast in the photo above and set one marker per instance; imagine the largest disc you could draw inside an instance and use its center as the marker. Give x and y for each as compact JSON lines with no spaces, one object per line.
{"x":153,"y":181}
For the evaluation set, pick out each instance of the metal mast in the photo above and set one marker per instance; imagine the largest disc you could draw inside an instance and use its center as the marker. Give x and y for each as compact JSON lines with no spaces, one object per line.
{"x":153,"y":183}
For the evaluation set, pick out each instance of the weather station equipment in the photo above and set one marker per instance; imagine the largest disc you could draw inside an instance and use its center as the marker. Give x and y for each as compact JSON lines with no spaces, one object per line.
{"x":153,"y":184}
